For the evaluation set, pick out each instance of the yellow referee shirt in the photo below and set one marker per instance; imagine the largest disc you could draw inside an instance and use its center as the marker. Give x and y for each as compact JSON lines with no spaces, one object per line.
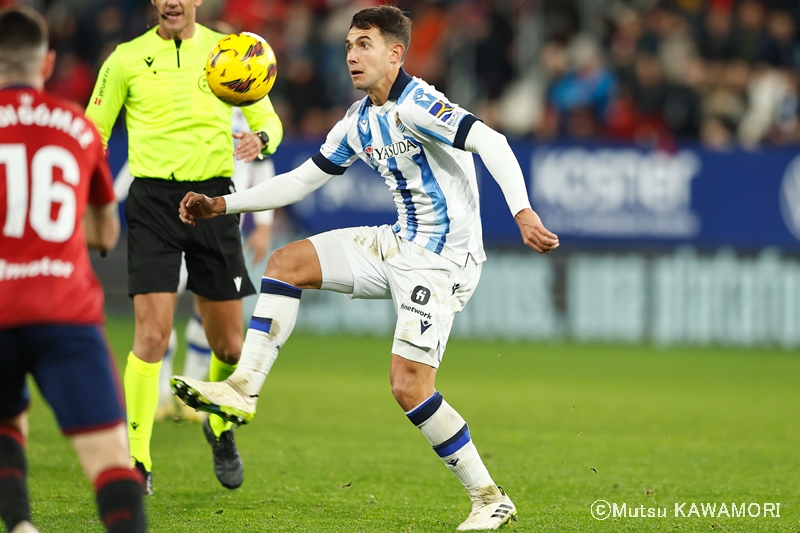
{"x":177,"y":128}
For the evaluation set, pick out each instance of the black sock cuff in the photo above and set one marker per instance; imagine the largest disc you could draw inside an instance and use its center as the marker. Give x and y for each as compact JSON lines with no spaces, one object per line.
{"x":13,"y":434}
{"x":14,"y":505}
{"x":121,"y":506}
{"x":12,"y":456}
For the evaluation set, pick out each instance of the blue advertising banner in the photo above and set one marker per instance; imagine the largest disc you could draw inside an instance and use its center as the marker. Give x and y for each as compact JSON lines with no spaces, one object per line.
{"x":595,"y":195}
{"x":624,"y":196}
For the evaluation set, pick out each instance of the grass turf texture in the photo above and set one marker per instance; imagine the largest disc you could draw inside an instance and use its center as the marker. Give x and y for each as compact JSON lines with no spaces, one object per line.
{"x":559,"y":425}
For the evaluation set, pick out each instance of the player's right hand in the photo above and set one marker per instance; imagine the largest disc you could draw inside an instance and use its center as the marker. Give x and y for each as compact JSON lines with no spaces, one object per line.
{"x":198,"y":206}
{"x":534,"y":234}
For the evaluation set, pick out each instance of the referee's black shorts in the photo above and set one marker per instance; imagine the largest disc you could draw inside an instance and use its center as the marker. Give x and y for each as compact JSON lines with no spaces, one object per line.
{"x":157,"y":239}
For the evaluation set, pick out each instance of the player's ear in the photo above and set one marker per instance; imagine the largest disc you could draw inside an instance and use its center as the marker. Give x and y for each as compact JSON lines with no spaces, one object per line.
{"x":48,"y":64}
{"x":396,"y":52}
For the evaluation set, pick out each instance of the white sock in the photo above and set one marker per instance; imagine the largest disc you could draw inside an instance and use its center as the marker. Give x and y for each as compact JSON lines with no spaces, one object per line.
{"x":449,"y":435}
{"x":198,"y":352}
{"x":272,"y":323}
{"x":164,"y":393}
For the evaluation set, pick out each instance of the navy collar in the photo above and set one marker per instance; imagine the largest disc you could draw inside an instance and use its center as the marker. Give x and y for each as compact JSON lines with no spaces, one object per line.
{"x":399,"y":85}
{"x":19,"y":86}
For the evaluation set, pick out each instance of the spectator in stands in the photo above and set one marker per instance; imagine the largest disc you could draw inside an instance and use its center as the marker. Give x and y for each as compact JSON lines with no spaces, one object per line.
{"x":778,"y":49}
{"x":583,"y":95}
{"x":624,"y":39}
{"x":749,"y":35}
{"x":716,"y":41}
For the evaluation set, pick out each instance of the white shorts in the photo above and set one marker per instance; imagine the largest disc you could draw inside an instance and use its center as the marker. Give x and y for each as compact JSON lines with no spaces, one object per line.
{"x":427,"y":289}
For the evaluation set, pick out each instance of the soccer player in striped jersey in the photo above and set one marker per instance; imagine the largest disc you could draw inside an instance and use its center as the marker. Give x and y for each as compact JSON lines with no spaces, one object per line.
{"x":428,"y":262}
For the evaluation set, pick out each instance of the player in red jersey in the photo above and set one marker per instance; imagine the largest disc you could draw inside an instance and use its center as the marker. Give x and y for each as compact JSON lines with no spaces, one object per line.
{"x":55,"y":198}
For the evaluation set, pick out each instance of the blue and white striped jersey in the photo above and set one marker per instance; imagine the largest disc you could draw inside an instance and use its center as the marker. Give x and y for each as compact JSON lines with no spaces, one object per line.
{"x":415,"y":141}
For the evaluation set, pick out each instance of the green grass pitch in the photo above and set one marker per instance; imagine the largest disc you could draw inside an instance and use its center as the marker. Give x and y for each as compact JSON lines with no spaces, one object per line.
{"x":559,"y":425}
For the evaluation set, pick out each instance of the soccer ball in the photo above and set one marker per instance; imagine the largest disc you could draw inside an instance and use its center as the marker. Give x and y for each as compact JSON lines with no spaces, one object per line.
{"x":241,"y":69}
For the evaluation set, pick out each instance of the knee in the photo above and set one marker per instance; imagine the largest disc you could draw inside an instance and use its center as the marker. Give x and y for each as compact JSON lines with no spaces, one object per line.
{"x":281,"y":265}
{"x":154,"y":338}
{"x":296,"y":264}
{"x":405,"y":391}
{"x":412,"y":383}
{"x":400,"y":392}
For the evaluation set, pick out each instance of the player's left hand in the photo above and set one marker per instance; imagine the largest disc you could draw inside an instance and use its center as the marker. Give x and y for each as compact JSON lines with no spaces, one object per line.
{"x":199,"y":206}
{"x":534,"y":234}
{"x":249,"y":146}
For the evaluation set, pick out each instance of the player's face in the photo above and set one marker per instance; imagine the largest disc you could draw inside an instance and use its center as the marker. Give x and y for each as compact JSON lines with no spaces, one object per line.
{"x":176,"y":15}
{"x":368,"y":57}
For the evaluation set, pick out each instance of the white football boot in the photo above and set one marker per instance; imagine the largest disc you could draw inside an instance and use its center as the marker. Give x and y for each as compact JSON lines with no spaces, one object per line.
{"x":25,"y":527}
{"x":491,"y":509}
{"x":220,"y":398}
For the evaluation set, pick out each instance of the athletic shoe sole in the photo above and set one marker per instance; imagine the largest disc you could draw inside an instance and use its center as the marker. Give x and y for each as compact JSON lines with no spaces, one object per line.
{"x":194,"y":399}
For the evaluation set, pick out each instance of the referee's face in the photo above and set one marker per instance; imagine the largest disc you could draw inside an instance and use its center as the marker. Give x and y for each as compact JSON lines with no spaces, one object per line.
{"x":174,"y":16}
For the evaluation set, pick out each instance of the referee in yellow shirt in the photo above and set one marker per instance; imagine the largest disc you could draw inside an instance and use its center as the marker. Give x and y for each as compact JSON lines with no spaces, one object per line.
{"x":179,"y":139}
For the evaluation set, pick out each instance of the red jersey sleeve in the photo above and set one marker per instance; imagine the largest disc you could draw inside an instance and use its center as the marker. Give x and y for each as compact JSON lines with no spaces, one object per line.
{"x":101,"y":189}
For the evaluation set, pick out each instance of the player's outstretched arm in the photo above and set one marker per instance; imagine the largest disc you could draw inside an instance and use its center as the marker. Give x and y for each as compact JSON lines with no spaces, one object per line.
{"x":498,"y":157}
{"x":101,"y":226}
{"x":282,"y":190}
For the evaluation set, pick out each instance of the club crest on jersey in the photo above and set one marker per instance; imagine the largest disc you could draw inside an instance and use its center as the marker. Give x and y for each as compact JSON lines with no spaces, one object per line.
{"x":399,"y":123}
{"x":404,"y":147}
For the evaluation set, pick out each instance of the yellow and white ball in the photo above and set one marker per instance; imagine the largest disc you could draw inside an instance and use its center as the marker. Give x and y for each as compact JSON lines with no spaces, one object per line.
{"x":241,"y":69}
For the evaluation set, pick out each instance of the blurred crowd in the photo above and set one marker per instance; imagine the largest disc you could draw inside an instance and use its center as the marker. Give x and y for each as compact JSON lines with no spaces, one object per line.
{"x":653,"y":72}
{"x":720,"y":71}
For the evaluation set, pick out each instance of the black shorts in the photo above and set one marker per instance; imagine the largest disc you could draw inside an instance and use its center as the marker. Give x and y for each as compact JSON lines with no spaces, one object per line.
{"x":157,"y":238}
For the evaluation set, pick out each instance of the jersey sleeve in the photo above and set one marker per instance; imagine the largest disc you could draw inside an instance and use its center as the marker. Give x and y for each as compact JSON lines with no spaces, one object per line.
{"x":336,"y":154}
{"x":261,"y":116}
{"x":110,"y":91}
{"x":434,"y":117}
{"x":101,"y":189}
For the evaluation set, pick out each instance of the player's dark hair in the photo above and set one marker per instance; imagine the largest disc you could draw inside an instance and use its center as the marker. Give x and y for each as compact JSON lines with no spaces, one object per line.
{"x":21,"y":28}
{"x":23,"y":36}
{"x":391,"y":22}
